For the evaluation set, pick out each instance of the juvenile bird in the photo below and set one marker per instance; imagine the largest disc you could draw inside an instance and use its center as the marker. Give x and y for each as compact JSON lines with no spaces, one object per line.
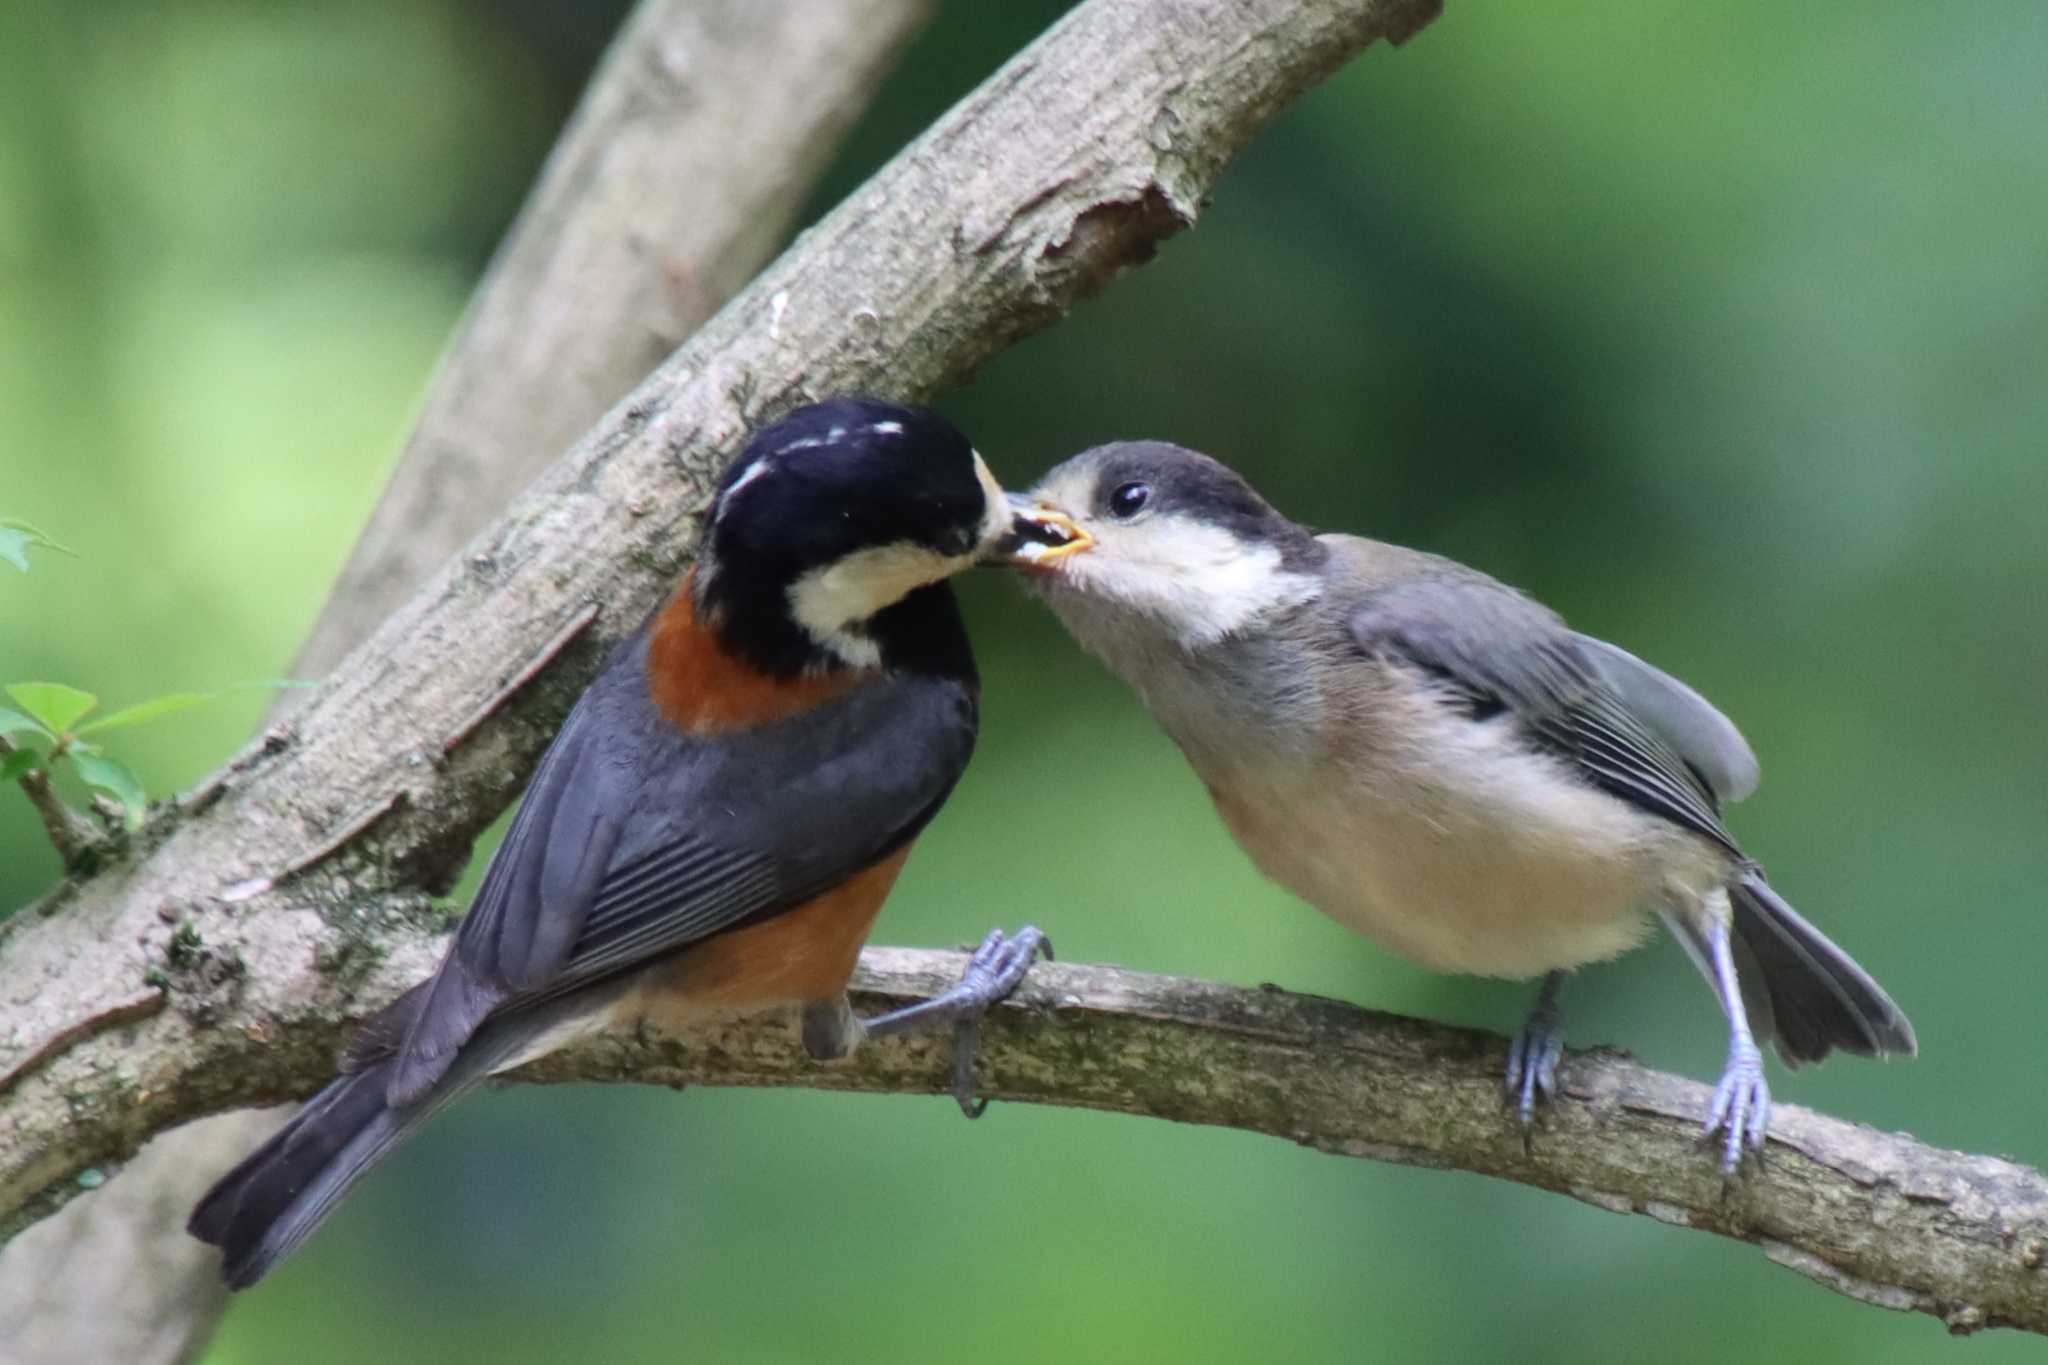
{"x":1439,"y":762}
{"x":717,"y":824}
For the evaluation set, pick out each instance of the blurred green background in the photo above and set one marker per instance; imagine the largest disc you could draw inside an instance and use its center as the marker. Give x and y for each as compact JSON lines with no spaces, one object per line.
{"x":1723,"y":329}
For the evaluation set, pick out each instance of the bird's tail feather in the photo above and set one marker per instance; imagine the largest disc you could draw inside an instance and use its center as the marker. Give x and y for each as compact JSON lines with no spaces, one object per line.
{"x":1816,"y":997}
{"x":262,"y":1209}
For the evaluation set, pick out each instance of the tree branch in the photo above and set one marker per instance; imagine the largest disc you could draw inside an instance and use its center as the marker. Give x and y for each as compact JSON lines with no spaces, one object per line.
{"x":73,"y":836}
{"x":704,"y":127}
{"x":1878,"y":1216}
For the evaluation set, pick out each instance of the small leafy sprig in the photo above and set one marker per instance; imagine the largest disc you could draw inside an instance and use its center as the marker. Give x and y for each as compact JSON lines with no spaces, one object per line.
{"x":52,"y":727}
{"x":51,"y":724}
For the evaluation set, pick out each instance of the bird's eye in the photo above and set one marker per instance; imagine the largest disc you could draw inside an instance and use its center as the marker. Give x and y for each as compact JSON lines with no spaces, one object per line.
{"x":1129,"y":499}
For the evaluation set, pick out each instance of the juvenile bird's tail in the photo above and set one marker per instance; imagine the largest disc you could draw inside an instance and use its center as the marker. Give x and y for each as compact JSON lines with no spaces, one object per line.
{"x":1814,"y":996}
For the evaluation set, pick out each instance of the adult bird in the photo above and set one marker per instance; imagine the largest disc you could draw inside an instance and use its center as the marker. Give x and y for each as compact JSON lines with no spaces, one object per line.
{"x":718,"y":822}
{"x":1439,"y":762}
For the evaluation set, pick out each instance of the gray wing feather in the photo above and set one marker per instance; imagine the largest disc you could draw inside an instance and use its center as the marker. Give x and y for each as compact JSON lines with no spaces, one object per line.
{"x":1493,"y":649}
{"x":1687,"y":721}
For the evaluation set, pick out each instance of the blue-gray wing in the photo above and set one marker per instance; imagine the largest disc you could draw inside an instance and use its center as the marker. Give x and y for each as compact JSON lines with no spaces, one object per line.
{"x":1687,"y":721}
{"x":635,"y":840}
{"x":1494,"y":651}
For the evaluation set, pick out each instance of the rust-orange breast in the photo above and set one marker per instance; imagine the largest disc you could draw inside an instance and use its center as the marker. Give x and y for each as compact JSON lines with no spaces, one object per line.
{"x":701,"y":687}
{"x":803,"y":954}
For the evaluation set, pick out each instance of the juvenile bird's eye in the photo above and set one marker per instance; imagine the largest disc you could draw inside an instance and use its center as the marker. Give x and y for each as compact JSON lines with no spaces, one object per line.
{"x":1129,"y":499}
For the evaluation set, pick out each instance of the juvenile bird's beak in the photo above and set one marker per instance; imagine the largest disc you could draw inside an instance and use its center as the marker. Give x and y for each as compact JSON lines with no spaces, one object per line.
{"x":1038,"y":536}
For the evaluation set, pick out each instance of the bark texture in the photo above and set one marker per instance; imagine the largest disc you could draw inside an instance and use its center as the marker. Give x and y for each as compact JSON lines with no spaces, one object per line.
{"x":1880,"y":1217}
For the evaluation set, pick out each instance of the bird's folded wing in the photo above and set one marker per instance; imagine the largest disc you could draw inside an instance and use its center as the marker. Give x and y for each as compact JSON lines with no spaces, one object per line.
{"x":635,"y":840}
{"x":1484,"y":641}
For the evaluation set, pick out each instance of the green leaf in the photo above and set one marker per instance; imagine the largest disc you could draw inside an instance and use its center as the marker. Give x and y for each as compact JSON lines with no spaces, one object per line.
{"x":18,"y":762}
{"x":146,"y":710}
{"x":116,"y":779}
{"x":14,"y":723}
{"x":17,"y":537}
{"x":58,"y":707}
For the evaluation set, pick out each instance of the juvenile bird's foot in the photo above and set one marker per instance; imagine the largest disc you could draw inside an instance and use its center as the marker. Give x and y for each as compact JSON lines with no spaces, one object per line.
{"x":992,"y":973}
{"x":1532,"y":1068}
{"x":1533,"y":1054}
{"x":1742,"y":1105}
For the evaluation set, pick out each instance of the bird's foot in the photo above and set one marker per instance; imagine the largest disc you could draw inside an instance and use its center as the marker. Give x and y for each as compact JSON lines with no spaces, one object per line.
{"x":1742,"y":1105}
{"x":1534,"y":1053}
{"x":1532,"y":1065}
{"x":994,"y":970}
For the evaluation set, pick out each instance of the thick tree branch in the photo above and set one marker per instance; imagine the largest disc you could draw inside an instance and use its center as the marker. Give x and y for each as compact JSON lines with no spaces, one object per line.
{"x":680,"y":172}
{"x":1877,"y":1216}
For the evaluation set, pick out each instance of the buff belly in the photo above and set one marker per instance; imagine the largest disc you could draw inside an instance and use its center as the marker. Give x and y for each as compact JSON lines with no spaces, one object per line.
{"x":1478,"y":856}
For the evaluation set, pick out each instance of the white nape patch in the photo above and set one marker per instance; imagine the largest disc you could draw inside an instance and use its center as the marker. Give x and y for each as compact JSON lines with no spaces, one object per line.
{"x":810,"y":442}
{"x":833,"y":604}
{"x":1200,"y":581}
{"x":747,"y":476}
{"x":777,"y":306}
{"x":836,"y":434}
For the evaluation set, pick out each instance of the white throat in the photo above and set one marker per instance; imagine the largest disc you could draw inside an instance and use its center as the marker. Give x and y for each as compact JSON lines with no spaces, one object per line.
{"x":835,"y":603}
{"x":1198,"y":582}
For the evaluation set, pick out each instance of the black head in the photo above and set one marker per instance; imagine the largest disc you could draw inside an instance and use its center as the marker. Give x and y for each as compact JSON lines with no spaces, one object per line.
{"x":830,"y":517}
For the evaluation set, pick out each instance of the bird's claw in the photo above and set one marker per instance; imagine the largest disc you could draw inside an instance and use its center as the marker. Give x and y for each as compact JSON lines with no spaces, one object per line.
{"x":1741,"y":1107}
{"x":994,"y":970}
{"x":1532,"y":1067}
{"x":1534,"y":1053}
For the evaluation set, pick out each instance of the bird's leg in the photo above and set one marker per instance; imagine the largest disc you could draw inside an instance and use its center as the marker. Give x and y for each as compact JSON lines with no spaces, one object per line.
{"x":992,"y":973}
{"x":830,"y":1030}
{"x":1532,"y":1056}
{"x":1742,"y":1101}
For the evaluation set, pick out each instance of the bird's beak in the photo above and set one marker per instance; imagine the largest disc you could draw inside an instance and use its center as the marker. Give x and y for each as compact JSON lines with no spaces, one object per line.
{"x":1038,"y":536}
